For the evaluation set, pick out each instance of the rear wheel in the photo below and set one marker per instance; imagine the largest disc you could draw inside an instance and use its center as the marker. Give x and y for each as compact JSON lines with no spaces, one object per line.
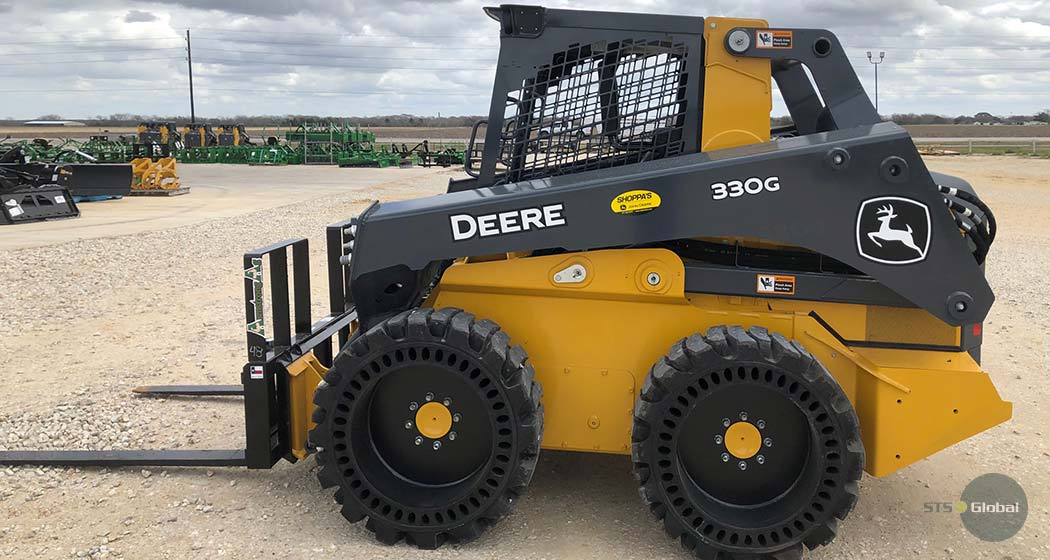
{"x":745,"y":446}
{"x":430,"y":426}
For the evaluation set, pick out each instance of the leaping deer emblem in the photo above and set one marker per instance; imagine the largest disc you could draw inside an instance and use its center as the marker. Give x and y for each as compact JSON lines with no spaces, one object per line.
{"x":886,"y":233}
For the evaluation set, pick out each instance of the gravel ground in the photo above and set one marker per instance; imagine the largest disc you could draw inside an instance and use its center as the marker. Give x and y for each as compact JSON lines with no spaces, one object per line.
{"x":83,"y":322}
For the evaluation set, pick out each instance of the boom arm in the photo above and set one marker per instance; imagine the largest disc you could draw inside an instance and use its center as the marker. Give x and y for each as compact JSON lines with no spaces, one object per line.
{"x":824,"y":179}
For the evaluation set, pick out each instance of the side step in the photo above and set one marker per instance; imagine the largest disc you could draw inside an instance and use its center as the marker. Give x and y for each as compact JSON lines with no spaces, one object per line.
{"x":190,"y":390}
{"x":121,"y":458}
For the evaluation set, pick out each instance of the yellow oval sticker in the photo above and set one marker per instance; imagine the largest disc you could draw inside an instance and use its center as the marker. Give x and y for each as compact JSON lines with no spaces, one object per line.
{"x":635,"y":202}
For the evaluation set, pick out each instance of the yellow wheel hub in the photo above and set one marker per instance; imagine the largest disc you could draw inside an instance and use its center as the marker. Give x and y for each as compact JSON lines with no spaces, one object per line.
{"x":743,"y":440}
{"x":433,"y":420}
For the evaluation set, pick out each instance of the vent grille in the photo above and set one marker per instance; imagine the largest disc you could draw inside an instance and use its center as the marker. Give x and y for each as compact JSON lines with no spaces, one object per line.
{"x":596,"y":106}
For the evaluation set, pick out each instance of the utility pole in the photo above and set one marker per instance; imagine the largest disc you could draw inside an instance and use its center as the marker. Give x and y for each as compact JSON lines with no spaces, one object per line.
{"x":189,"y":64}
{"x":876,"y":63}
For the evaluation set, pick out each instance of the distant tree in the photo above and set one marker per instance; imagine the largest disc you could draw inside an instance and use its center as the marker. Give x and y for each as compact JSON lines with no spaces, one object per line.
{"x":49,"y":118}
{"x":1044,"y":116}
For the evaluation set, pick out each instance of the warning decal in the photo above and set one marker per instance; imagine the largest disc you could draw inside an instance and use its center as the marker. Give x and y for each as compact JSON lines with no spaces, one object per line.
{"x":775,"y":284}
{"x":772,"y":39}
{"x":256,"y":372}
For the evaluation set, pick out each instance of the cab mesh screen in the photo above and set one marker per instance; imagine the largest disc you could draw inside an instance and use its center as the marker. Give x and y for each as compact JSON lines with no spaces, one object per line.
{"x":596,"y":106}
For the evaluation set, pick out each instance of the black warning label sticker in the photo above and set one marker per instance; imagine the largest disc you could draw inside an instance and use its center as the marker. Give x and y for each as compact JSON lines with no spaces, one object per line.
{"x":776,"y":284}
{"x":773,"y":39}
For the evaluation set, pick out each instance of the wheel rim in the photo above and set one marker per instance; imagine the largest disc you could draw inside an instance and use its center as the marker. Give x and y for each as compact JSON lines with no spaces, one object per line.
{"x":381,"y":459}
{"x":744,"y":445}
{"x":428,"y":425}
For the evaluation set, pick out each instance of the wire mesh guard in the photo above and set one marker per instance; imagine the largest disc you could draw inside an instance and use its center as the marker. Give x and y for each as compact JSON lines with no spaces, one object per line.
{"x":596,"y":106}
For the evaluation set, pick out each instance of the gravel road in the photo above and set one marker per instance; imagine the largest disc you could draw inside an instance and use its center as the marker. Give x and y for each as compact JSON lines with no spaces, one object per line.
{"x":83,"y":322}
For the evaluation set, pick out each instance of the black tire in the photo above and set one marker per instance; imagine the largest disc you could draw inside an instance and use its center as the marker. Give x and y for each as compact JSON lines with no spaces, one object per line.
{"x":764,"y":506}
{"x":409,"y":490}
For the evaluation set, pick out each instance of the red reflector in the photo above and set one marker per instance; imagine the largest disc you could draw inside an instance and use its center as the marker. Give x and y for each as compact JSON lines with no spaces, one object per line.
{"x":977,"y":329}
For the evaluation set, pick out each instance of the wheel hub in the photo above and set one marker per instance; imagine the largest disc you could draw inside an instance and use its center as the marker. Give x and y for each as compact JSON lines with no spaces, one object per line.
{"x":434,"y":420}
{"x":743,"y":440}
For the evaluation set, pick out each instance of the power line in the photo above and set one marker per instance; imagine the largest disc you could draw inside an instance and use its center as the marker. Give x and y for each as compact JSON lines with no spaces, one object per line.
{"x":92,"y":61}
{"x":315,"y":44}
{"x":952,"y":47}
{"x":107,"y":51}
{"x":74,"y":41}
{"x":258,"y":91}
{"x":1043,"y":58}
{"x":354,"y":56}
{"x":857,"y":65}
{"x":348,"y":35}
{"x":323,"y":65}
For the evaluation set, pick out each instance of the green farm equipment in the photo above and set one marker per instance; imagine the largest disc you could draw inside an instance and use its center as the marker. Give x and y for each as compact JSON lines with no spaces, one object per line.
{"x":368,"y":158}
{"x":105,"y":150}
{"x":273,"y":155}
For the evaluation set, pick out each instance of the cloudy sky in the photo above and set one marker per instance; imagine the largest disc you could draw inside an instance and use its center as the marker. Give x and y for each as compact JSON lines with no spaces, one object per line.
{"x":358,"y":57}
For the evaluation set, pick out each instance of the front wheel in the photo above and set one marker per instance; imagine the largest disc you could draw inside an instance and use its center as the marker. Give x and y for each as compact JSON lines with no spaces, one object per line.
{"x":429,"y":424}
{"x":745,"y":446}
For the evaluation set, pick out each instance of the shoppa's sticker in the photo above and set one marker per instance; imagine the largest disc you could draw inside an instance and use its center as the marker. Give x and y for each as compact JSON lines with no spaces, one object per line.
{"x":635,"y":202}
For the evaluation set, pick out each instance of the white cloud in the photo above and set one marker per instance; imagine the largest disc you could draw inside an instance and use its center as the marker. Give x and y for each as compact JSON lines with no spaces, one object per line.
{"x":405,"y":56}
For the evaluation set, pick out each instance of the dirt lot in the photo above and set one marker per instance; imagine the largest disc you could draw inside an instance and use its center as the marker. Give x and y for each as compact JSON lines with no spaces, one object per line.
{"x":88,"y":317}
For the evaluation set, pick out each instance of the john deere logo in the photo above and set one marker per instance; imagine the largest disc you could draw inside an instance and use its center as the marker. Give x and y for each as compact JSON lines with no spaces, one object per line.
{"x":893,"y":230}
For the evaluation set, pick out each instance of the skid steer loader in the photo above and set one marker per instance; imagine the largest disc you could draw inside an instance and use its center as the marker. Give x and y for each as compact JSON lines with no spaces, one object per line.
{"x":753,"y":316}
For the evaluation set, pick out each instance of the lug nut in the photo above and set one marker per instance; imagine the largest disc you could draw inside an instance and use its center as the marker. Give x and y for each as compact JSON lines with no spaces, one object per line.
{"x":447,"y":402}
{"x":743,"y":416}
{"x":742,"y":465}
{"x":726,"y":422}
{"x":456,"y":417}
{"x":768,"y":442}
{"x":419,"y":440}
{"x":725,"y":457}
{"x":429,"y":397}
{"x":718,"y":440}
{"x":413,"y":405}
{"x":761,"y":424}
{"x":760,"y":459}
{"x":437,"y":445}
{"x":452,"y":436}
{"x":408,"y":425}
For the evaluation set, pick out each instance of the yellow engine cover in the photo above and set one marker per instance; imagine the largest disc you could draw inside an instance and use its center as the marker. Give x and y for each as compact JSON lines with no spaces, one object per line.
{"x":593,"y":340}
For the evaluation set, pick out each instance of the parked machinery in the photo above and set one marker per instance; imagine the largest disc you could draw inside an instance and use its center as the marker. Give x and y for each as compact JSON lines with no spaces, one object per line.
{"x":154,"y":175}
{"x":233,"y":135}
{"x":83,"y":175}
{"x":752,"y":316}
{"x":31,"y":192}
{"x":198,"y":136}
{"x":163,"y":133}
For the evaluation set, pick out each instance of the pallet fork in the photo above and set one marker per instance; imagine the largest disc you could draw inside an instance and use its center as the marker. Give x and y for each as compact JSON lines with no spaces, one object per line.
{"x":280,"y":375}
